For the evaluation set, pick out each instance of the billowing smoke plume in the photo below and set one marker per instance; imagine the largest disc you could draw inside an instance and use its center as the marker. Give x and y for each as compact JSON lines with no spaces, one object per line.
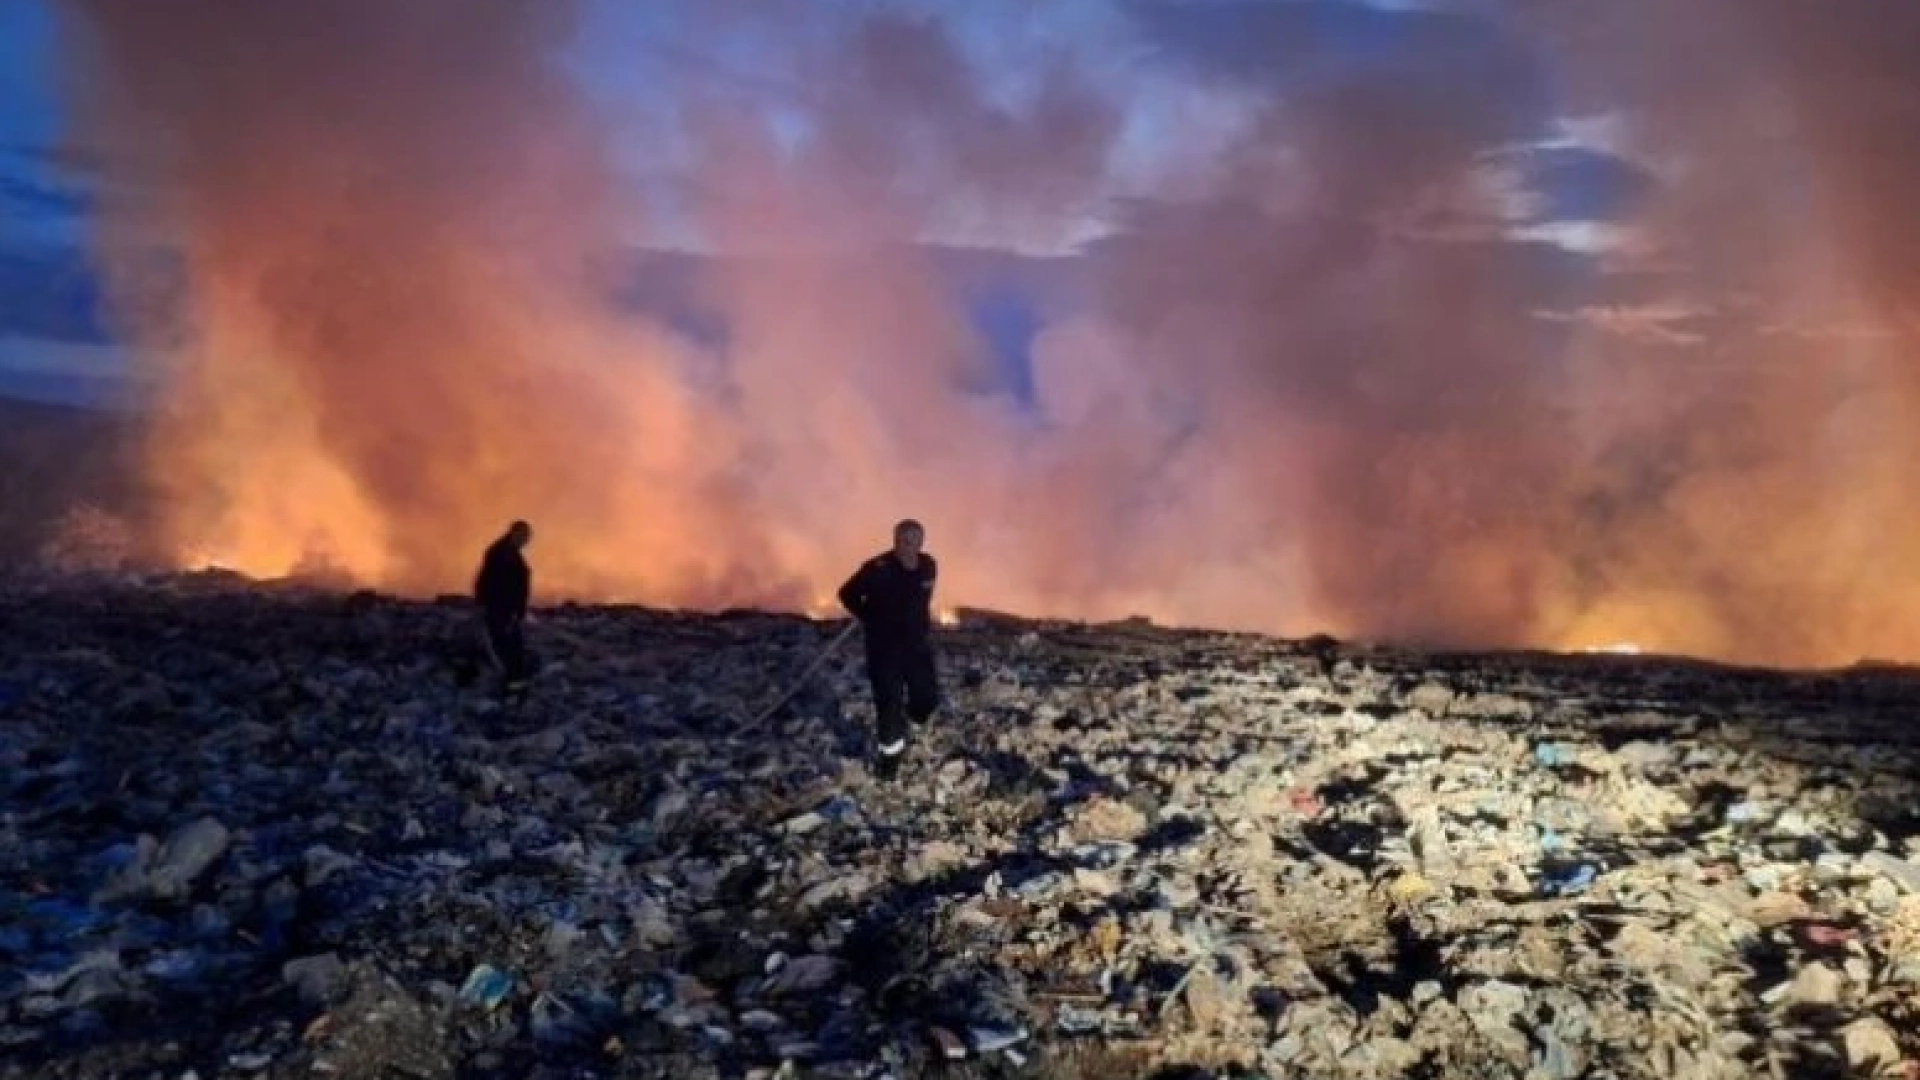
{"x":1323,"y":377}
{"x":1756,"y":476}
{"x":383,"y":211}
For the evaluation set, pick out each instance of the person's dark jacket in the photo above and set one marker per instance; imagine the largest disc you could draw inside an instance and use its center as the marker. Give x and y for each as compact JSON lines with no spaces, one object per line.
{"x":892,"y":602}
{"x":505,"y":582}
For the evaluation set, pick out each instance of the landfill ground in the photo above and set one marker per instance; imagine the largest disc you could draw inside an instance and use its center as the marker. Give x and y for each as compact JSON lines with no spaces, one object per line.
{"x":260,"y":831}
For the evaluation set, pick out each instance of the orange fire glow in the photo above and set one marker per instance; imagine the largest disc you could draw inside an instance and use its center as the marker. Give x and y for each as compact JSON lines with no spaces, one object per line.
{"x":1287,"y":408}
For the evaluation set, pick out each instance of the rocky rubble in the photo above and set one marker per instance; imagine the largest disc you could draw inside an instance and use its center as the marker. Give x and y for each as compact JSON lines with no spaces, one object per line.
{"x":259,"y":831}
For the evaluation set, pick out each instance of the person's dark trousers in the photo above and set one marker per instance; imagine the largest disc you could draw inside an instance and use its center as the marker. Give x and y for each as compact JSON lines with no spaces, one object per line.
{"x":508,"y":643}
{"x":906,"y":686}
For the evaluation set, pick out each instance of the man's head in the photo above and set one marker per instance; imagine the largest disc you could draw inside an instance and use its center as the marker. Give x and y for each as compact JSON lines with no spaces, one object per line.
{"x":520,"y":533}
{"x":907,"y":538}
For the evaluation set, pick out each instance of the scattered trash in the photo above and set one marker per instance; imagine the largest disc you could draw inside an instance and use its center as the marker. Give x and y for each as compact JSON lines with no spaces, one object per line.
{"x":253,"y":830}
{"x":988,"y":1040}
{"x":806,"y":975}
{"x":167,"y":871}
{"x":1552,"y":755}
{"x":317,"y":979}
{"x":1568,"y":880}
{"x":1902,"y":872}
{"x":486,"y":986}
{"x":951,"y":1046}
{"x":1870,"y":1046}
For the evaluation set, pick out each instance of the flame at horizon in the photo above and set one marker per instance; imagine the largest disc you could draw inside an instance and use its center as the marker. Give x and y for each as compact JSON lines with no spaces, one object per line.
{"x":1314,"y":393}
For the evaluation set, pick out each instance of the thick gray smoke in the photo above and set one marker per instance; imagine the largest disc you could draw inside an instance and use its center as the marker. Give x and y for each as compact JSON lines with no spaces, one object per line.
{"x":1342,"y":372}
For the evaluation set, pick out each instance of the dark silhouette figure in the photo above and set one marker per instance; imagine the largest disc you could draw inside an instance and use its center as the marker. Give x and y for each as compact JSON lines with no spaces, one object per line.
{"x":892,"y":596}
{"x":503,"y":588}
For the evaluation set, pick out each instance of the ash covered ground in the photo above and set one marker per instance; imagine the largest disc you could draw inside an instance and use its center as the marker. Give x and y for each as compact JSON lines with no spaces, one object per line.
{"x":259,"y":831}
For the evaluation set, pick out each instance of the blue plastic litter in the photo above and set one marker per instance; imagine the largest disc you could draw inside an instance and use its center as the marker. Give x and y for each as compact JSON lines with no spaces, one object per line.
{"x":177,"y":966}
{"x":55,"y":919}
{"x":487,"y":986}
{"x":1104,"y":855}
{"x":1569,"y":881}
{"x":988,"y":1038}
{"x":117,"y":857}
{"x":656,"y":992}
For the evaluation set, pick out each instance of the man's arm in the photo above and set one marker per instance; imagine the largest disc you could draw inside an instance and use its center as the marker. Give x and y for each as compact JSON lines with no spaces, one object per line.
{"x":853,"y":594}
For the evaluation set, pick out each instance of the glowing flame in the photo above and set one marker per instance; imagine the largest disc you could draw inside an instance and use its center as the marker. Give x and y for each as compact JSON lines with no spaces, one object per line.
{"x":396,"y":338}
{"x":200,"y":560}
{"x":1618,"y":648}
{"x":947,"y":617}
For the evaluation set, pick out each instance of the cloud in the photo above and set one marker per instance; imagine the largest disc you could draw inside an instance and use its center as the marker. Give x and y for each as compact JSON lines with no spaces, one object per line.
{"x":1651,"y":324}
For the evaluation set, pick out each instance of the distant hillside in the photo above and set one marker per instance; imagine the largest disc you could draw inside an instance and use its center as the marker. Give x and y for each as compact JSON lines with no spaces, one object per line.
{"x":54,"y":458}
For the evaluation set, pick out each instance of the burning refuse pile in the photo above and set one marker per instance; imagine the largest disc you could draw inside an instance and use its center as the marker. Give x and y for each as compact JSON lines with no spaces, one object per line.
{"x":258,"y":831}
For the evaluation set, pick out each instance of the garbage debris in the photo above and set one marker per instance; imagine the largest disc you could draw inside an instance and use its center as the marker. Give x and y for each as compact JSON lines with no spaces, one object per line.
{"x":318,"y":979}
{"x":260,"y":829}
{"x":487,"y":986}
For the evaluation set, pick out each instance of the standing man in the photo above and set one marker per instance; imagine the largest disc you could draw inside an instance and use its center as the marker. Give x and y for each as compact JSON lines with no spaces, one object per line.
{"x":502,"y":588}
{"x":892,"y":596}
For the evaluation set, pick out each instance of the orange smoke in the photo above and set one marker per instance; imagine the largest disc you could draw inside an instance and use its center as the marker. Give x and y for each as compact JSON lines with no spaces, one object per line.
{"x":384,"y":212}
{"x":1317,"y":393}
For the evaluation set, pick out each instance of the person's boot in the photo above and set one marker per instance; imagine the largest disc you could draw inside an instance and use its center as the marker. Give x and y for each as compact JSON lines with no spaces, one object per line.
{"x":886,"y":759}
